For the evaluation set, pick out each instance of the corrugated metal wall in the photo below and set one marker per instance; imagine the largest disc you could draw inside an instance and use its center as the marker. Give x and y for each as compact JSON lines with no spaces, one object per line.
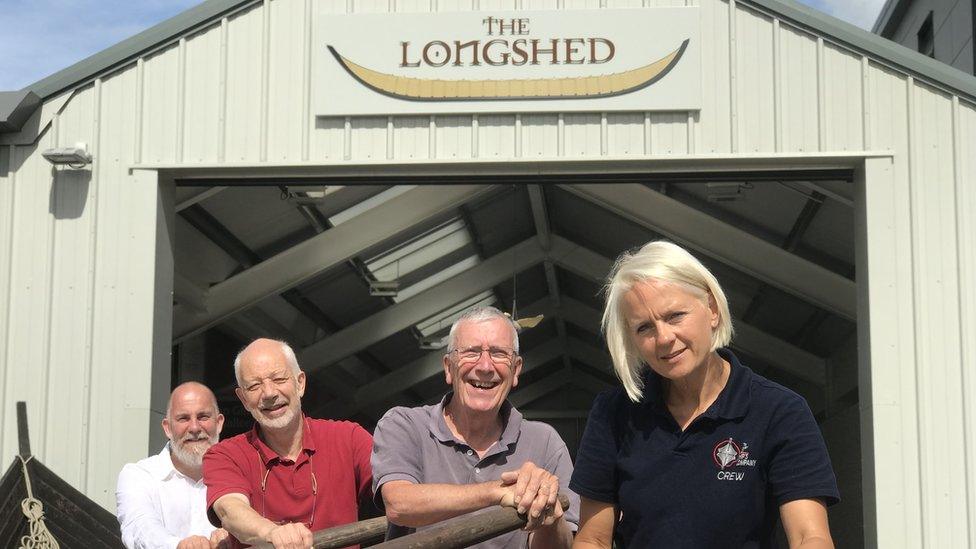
{"x":76,"y":277}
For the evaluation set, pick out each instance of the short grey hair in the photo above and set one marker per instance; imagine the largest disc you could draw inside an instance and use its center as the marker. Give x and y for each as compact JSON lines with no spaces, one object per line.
{"x":286,"y":351}
{"x":482,"y":313}
{"x":665,"y":262}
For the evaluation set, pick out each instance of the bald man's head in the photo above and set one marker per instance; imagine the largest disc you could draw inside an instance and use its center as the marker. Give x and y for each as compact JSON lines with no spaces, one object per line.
{"x":263,"y":348}
{"x":192,"y":423}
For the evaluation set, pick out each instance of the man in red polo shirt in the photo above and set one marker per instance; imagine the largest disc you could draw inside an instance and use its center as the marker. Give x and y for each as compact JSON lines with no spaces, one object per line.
{"x":290,"y":475}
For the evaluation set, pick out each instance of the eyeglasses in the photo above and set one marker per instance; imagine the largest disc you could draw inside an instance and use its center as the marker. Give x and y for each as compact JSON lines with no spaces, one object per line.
{"x":264,"y":486}
{"x":496,"y":354}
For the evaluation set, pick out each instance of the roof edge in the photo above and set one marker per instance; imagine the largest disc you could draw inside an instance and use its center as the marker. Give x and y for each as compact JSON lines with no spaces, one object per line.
{"x":889,"y":16}
{"x":858,"y":39}
{"x":15,"y":108}
{"x":800,"y":15}
{"x":133,"y":47}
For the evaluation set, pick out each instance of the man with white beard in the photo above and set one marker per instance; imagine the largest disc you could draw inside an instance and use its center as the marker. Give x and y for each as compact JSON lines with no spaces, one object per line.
{"x":161,"y":500}
{"x":291,"y":474}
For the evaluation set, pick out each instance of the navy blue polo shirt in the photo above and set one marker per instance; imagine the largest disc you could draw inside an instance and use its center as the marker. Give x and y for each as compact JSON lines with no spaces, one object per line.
{"x":720,"y":482}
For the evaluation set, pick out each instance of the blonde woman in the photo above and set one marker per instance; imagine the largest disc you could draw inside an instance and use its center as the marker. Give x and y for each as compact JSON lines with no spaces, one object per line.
{"x":694,"y":450}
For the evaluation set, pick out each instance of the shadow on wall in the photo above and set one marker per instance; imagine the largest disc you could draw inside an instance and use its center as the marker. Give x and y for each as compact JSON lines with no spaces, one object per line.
{"x":69,"y":193}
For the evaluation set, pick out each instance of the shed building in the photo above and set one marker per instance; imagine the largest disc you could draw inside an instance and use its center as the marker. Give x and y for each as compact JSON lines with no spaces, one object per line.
{"x":824,"y":174}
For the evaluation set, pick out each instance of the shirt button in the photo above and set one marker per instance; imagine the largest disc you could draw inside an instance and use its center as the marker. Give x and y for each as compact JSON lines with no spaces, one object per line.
{"x":470,"y":452}
{"x":477,"y":469}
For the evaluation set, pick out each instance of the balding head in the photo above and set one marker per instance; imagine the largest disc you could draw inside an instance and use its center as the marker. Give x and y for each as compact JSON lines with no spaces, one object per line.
{"x":264,"y":348}
{"x":188,"y":390}
{"x":192,"y":424}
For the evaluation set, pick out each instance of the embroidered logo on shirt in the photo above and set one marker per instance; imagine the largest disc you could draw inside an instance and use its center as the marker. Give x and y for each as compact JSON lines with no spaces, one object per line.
{"x":728,"y":453}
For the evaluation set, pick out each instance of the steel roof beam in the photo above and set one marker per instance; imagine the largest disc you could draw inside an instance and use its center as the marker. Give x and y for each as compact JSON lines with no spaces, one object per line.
{"x":727,"y":244}
{"x":322,"y":252}
{"x":409,"y":312}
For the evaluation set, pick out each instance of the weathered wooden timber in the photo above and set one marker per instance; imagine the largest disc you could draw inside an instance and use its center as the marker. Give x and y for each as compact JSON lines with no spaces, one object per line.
{"x":465,"y":530}
{"x":357,"y":533}
{"x":72,"y":518}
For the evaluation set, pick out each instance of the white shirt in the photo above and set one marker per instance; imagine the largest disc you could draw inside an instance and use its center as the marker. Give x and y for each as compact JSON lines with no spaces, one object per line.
{"x":158,"y":506}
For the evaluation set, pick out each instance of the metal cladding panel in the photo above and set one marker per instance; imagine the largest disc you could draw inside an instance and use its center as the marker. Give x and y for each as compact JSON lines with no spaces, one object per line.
{"x":29,"y":309}
{"x":161,"y":93}
{"x":245,"y":77}
{"x":713,"y":132}
{"x":797,"y":100}
{"x":625,"y":134}
{"x":965,"y":180}
{"x":940,"y":407}
{"x":412,"y":137}
{"x":328,"y":139}
{"x":842,"y":100}
{"x":453,"y":137}
{"x":582,"y":135}
{"x":669,"y":133}
{"x":370,"y":139}
{"x":753,"y":82}
{"x":287,"y":106}
{"x":203,"y":97}
{"x":496,"y":136}
{"x":540,"y":136}
{"x":71,"y":276}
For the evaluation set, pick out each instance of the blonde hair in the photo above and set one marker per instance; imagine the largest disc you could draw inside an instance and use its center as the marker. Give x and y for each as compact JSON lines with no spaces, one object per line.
{"x":666,"y":262}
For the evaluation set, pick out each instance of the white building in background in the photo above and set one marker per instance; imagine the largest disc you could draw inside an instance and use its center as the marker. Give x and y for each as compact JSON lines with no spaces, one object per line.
{"x":238,"y":89}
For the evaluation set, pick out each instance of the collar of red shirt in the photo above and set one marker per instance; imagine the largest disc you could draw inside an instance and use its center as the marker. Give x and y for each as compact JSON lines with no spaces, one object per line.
{"x":269,"y":457}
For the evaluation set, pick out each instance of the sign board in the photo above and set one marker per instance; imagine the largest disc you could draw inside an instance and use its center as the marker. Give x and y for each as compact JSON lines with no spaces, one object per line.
{"x":509,"y":61}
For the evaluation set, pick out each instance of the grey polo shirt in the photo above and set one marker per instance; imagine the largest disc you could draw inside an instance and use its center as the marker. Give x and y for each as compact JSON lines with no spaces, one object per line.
{"x":416,"y":445}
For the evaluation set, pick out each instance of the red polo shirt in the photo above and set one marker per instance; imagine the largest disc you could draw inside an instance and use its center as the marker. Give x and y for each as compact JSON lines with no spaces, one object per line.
{"x":334,"y":453}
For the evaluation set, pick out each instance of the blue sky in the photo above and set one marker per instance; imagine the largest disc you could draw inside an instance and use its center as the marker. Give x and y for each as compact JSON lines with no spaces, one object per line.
{"x":41,"y":37}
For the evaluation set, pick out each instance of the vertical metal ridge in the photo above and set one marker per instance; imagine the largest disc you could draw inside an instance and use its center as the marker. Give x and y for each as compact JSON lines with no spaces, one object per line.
{"x":307,"y":118}
{"x":390,"y":145}
{"x":561,"y":135}
{"x":518,"y":136}
{"x":140,"y":101}
{"x":777,"y":89}
{"x":692,"y":145}
{"x":265,"y":78}
{"x":821,"y":97}
{"x":865,"y":103}
{"x":966,"y":309}
{"x":474,"y":136}
{"x":347,"y":138}
{"x":647,"y":133}
{"x":222,"y":93}
{"x":43,"y":372}
{"x":9,"y":313}
{"x":432,"y":138}
{"x":604,"y":134}
{"x":920,"y":398}
{"x":180,"y":99}
{"x":733,"y":80}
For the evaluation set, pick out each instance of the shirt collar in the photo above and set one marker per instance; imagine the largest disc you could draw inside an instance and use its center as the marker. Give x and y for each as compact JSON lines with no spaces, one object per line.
{"x":269,"y":456}
{"x":511,"y":423}
{"x":162,"y":467}
{"x":732,"y":401}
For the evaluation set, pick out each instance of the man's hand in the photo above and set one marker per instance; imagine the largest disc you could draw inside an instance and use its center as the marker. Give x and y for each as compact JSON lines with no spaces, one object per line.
{"x":219,"y":539}
{"x":194,"y":542}
{"x":532,"y":491}
{"x":293,"y":535}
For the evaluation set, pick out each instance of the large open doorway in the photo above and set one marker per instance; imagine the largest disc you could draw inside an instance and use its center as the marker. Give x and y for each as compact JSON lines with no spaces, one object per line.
{"x":364,"y":275}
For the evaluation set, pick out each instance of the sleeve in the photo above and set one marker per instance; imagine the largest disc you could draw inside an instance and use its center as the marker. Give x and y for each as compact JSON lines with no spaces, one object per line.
{"x":559,"y":463}
{"x":396,"y":453}
{"x":141,"y":526}
{"x":223,"y":475}
{"x":362,"y":449}
{"x":595,"y":474}
{"x":798,"y":463}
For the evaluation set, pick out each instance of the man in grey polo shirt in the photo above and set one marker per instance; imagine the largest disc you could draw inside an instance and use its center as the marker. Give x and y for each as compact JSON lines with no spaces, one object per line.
{"x":473,"y":450}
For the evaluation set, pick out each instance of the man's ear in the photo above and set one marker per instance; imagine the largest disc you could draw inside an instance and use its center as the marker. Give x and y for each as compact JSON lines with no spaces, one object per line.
{"x":516,"y":370}
{"x":220,"y":423}
{"x":166,"y":429}
{"x":446,"y":361}
{"x":300,"y":379}
{"x":240,"y":396}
